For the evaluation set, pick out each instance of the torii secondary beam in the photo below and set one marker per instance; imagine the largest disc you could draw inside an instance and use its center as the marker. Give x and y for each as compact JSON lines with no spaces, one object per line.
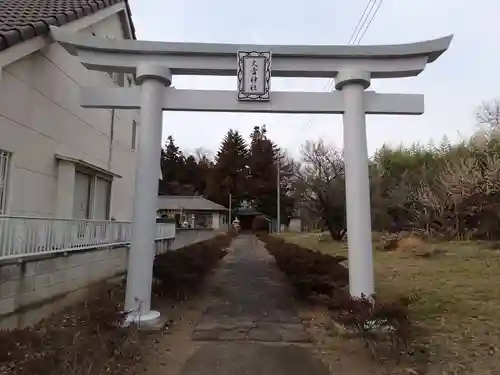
{"x":225,"y":101}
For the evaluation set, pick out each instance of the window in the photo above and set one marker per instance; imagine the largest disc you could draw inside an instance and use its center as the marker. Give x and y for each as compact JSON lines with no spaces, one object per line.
{"x":134,"y":134}
{"x":101,"y":201}
{"x":92,"y":196}
{"x":81,"y":198}
{"x":117,"y":78}
{"x":130,"y":80}
{"x":4,"y":178}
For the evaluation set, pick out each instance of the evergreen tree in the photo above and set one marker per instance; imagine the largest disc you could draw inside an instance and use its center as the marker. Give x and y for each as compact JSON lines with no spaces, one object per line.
{"x":229,"y":175}
{"x":262,"y":161}
{"x":445,"y":145}
{"x":193,"y":175}
{"x":205,"y":167}
{"x":173,"y":164}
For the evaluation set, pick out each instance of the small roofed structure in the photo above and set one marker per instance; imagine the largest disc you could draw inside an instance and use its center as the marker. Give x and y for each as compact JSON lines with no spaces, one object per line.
{"x":193,"y":212}
{"x":247,"y":215}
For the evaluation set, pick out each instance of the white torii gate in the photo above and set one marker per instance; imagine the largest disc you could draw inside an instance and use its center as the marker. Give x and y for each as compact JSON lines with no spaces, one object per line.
{"x":154,"y":63}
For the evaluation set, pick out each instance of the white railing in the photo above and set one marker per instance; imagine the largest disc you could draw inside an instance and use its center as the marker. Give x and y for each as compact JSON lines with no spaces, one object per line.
{"x":165,"y":231}
{"x":28,"y":236}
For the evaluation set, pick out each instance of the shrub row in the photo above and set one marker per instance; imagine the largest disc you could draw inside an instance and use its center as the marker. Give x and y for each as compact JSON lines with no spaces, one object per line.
{"x":82,"y":339}
{"x":179,"y":273}
{"x":321,"y":278}
{"x":260,"y":224}
{"x":315,"y":276}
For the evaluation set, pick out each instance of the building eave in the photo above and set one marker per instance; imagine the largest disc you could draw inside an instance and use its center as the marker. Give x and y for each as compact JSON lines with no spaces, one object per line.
{"x":23,"y":48}
{"x":194,"y":210}
{"x":88,"y":165}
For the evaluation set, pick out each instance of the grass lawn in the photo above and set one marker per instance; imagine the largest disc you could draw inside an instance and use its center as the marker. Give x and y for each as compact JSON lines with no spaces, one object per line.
{"x":457,"y":298}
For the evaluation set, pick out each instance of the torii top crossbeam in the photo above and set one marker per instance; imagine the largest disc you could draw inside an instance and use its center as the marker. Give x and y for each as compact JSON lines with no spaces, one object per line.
{"x":384,"y":61}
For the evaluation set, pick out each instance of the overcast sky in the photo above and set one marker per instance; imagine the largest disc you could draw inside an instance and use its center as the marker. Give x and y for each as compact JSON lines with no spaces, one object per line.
{"x":454,"y":85}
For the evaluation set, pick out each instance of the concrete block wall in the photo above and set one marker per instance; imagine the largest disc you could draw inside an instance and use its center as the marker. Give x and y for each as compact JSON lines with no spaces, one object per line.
{"x":186,"y":237}
{"x":38,"y":286}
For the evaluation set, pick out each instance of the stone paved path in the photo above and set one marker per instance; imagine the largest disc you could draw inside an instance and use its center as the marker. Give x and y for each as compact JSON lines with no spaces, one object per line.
{"x":250,"y":325}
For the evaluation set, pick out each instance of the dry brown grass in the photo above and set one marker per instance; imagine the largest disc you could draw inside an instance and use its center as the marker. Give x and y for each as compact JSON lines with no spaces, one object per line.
{"x":457,"y":298}
{"x":416,"y":246}
{"x":81,"y":340}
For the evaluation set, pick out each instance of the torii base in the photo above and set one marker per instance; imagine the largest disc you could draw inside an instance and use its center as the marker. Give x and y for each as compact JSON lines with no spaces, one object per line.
{"x":150,"y":321}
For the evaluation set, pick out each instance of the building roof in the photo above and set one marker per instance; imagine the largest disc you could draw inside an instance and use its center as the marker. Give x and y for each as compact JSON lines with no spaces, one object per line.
{"x":21,"y":20}
{"x":247,"y":211}
{"x":187,"y":203}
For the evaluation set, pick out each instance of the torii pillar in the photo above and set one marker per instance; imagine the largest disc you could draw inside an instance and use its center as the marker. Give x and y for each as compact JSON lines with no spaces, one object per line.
{"x":153,"y":79}
{"x":352,"y":83}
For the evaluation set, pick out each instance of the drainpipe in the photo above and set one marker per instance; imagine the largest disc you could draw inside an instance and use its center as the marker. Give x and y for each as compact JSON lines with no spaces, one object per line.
{"x":111,"y":136}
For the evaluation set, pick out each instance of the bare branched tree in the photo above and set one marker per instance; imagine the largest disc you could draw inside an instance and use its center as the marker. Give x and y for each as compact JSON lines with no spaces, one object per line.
{"x":464,"y":198}
{"x":488,"y":114}
{"x":202,"y":153}
{"x":320,"y":184}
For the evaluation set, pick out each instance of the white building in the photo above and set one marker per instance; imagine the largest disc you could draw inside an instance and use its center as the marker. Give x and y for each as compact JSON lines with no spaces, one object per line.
{"x":198,"y":212}
{"x":57,"y":159}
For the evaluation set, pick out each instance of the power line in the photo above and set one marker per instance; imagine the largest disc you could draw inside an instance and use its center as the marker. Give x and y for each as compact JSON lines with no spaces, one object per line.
{"x":363,"y":24}
{"x":370,"y":22}
{"x":357,"y":30}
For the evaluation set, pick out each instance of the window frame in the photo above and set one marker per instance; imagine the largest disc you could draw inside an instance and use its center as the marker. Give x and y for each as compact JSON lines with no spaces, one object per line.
{"x":107,"y":214}
{"x":89,"y":188}
{"x":94,"y":175}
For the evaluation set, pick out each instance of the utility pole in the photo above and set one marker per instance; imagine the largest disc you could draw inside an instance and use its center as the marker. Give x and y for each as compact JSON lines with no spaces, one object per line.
{"x":278,"y":204}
